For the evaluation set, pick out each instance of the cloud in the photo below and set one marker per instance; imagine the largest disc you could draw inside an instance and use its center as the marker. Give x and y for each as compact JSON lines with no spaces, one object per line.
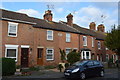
{"x":88,"y":14}
{"x":30,"y":12}
{"x":59,"y":10}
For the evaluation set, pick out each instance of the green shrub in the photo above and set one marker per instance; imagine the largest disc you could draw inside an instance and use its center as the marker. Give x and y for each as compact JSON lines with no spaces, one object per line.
{"x":36,"y":68}
{"x":60,"y":67}
{"x":8,"y":66}
{"x":49,"y":67}
{"x":73,"y":57}
{"x":67,"y":65}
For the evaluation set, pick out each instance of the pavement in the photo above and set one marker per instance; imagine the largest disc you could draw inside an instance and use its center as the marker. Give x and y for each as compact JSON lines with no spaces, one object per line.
{"x":110,"y":74}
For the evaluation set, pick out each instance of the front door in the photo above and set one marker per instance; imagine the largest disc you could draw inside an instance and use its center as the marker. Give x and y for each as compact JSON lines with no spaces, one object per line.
{"x":24,"y":57}
{"x":40,"y":56}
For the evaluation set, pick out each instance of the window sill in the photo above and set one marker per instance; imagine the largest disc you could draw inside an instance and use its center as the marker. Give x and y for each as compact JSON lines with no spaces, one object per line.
{"x":11,"y":36}
{"x":49,"y":40}
{"x":50,"y":59}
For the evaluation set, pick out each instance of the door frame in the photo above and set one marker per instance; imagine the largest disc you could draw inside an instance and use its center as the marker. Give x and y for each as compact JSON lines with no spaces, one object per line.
{"x":25,"y":47}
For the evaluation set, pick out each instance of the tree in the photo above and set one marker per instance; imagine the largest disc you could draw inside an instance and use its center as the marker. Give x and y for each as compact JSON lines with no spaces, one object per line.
{"x":112,"y":40}
{"x":63,"y":54}
{"x":73,"y":57}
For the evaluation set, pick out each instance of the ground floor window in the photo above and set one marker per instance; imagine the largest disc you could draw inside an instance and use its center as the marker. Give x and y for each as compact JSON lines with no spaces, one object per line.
{"x":11,"y":51}
{"x":50,"y":54}
{"x":86,"y":55}
{"x":107,"y":57}
{"x":97,"y":57}
{"x":67,"y":51}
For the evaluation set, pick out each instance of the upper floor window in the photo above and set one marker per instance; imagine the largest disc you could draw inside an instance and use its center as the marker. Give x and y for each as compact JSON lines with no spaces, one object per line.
{"x":99,"y":45}
{"x":92,"y":42}
{"x":84,"y":41}
{"x":67,"y":37}
{"x":49,"y":35}
{"x":12,"y":29}
{"x":50,"y":54}
{"x":11,"y":51}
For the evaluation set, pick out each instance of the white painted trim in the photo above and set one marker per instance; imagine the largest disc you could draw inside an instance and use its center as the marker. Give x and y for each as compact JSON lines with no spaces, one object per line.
{"x":85,"y":41}
{"x":68,"y":37}
{"x":52,"y":53}
{"x":25,"y":46}
{"x":18,"y":20}
{"x":97,"y":57}
{"x":40,"y":47}
{"x":11,"y":47}
{"x":48,"y":35}
{"x":8,"y":45}
{"x":92,"y":41}
{"x":12,"y":23}
{"x":85,"y":55}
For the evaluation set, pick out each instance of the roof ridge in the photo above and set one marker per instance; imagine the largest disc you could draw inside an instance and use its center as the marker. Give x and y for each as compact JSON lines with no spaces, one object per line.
{"x":69,"y":26}
{"x":14,"y":12}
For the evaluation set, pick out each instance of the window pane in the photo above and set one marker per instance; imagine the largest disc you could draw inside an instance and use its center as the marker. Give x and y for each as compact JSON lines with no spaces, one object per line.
{"x":12,"y":29}
{"x":87,"y":55}
{"x":49,"y":56}
{"x":11,"y":52}
{"x":96,"y":63}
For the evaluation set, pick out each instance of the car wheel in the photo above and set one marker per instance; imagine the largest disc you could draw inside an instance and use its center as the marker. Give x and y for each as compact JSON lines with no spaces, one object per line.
{"x":82,"y":76}
{"x":101,"y":73}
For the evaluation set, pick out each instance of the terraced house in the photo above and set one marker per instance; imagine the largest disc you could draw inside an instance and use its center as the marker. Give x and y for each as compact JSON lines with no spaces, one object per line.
{"x":32,"y":41}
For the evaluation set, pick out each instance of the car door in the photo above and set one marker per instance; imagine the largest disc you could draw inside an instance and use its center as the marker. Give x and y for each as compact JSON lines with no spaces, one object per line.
{"x":89,"y":68}
{"x":97,"y":67}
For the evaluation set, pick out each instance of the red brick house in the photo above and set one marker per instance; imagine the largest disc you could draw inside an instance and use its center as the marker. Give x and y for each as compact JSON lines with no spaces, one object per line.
{"x":32,"y":41}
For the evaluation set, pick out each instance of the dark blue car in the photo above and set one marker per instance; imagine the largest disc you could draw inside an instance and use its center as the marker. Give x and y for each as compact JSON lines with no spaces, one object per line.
{"x":83,"y":69}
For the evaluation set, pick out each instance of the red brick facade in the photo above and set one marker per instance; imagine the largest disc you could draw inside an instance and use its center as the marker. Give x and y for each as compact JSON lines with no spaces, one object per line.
{"x":35,"y":38}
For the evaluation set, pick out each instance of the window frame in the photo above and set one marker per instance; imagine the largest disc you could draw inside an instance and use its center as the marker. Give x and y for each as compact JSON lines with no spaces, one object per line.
{"x":68,"y":39}
{"x":51,"y":53}
{"x":92,"y":41}
{"x":84,"y":55}
{"x":9,"y":24}
{"x":49,"y":35}
{"x":11,"y":47}
{"x":85,"y":42}
{"x":99,"y":45}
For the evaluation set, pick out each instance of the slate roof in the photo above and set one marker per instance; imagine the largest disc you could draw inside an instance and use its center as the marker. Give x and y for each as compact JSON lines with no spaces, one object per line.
{"x":59,"y":26}
{"x":85,"y":31}
{"x":40,"y":23}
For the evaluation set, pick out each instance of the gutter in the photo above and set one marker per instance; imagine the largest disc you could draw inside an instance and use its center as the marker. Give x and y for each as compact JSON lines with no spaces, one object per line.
{"x":18,"y":21}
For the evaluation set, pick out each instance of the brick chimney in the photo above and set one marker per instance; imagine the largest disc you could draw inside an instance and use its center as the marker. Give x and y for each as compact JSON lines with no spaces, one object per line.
{"x":70,"y":19}
{"x":48,"y":15}
{"x":92,"y":26}
{"x":101,"y":28}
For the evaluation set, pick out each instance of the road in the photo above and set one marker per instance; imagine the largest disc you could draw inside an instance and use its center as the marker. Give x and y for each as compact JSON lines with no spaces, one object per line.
{"x":110,"y":74}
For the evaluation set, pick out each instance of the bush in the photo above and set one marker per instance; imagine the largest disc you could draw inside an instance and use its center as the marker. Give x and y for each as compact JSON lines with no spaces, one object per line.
{"x":110,"y":63}
{"x":60,"y":67}
{"x":36,"y":68}
{"x":67,"y":65}
{"x":73,"y":57}
{"x":8,"y":66}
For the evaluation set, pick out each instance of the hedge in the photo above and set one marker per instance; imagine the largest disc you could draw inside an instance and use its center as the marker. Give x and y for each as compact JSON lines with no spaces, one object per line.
{"x":8,"y":66}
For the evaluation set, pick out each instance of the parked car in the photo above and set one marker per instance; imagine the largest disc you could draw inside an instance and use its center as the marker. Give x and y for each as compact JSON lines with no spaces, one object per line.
{"x":83,"y":69}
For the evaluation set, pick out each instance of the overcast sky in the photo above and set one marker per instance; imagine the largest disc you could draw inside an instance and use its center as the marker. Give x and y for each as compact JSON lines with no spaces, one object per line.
{"x":83,"y":12}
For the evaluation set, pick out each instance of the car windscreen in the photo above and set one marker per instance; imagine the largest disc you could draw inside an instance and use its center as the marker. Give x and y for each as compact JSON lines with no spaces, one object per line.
{"x":79,"y":63}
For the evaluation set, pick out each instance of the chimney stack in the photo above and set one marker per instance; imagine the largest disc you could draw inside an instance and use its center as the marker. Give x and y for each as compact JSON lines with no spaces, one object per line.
{"x":70,"y":19}
{"x":101,"y":28}
{"x":92,"y":26}
{"x":48,"y":15}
